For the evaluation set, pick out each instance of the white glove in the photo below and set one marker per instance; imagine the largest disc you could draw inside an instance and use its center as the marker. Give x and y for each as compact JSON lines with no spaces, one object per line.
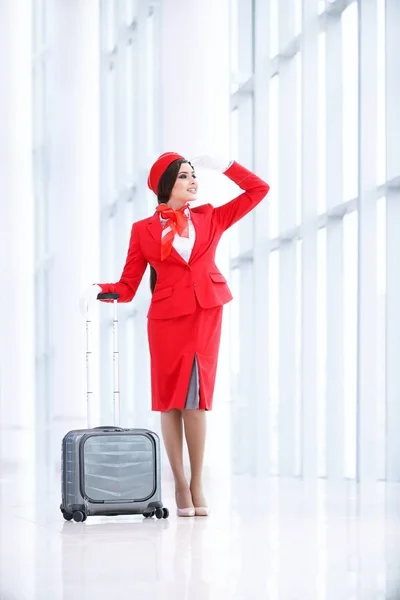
{"x":89,"y":298}
{"x":211,"y":162}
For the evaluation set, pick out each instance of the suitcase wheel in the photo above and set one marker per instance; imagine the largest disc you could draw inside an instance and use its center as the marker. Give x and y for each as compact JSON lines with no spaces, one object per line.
{"x":67,"y":516}
{"x":149,"y":514}
{"x":159,"y":513}
{"x":79,"y":516}
{"x":162,"y":513}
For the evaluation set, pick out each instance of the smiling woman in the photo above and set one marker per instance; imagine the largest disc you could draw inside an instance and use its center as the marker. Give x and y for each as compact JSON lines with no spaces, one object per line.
{"x":185,"y":315}
{"x":177,"y":186}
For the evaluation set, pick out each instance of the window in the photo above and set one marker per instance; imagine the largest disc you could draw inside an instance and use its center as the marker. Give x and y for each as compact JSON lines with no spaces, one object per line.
{"x":297,"y":16}
{"x":108,"y":133}
{"x":350,"y":101}
{"x":350,"y":305}
{"x":130,"y":108}
{"x":381,"y":91}
{"x":234,"y":314}
{"x":131,"y":10}
{"x":274,"y":157}
{"x":41,"y":12}
{"x":234,"y":39}
{"x":335,"y":40}
{"x":321,"y":123}
{"x":234,"y":233}
{"x":381,"y":332}
{"x":109,"y":23}
{"x":299,"y":132}
{"x":273,"y":28}
{"x":321,"y":351}
{"x":273,"y":352}
{"x":150,"y":95}
{"x":298,"y":339}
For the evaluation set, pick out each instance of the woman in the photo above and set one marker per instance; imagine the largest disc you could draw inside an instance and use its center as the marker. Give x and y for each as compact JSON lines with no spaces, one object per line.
{"x":188,"y":292}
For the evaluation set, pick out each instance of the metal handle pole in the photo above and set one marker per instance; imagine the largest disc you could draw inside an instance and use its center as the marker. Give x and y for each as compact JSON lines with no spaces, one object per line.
{"x":89,"y":394}
{"x":116,"y":395}
{"x":89,"y":387}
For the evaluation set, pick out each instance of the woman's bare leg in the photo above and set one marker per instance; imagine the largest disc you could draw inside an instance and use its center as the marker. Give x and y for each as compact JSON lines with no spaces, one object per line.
{"x":171,"y":427}
{"x":195,"y":433}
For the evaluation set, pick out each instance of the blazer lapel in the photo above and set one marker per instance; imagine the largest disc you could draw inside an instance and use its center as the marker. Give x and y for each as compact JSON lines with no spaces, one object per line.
{"x":197,"y":220}
{"x":154,"y":226}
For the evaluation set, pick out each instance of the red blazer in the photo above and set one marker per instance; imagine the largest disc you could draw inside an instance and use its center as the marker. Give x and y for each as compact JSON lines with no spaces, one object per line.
{"x":179,"y":283}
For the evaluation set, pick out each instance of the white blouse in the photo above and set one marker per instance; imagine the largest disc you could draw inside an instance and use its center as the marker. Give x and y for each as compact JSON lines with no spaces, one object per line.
{"x":183,"y":245}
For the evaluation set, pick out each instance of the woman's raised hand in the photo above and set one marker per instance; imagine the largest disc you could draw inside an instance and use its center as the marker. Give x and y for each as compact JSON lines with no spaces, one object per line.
{"x":215,"y":163}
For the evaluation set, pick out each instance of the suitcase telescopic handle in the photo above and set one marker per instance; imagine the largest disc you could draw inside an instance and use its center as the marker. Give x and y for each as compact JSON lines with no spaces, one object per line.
{"x":107,"y":428}
{"x":116,"y":396}
{"x":107,"y":296}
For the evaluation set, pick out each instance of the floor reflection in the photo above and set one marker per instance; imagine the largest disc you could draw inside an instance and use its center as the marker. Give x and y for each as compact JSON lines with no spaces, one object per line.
{"x":275,"y":539}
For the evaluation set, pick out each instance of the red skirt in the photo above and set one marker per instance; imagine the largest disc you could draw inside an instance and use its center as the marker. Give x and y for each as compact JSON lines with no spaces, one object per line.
{"x":175,"y":344}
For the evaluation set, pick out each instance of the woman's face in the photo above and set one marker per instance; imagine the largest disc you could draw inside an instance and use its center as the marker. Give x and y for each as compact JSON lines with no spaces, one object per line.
{"x":185,"y":188}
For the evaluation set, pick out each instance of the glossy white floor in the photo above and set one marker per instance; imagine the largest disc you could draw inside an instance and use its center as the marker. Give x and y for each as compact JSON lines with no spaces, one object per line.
{"x":275,"y":539}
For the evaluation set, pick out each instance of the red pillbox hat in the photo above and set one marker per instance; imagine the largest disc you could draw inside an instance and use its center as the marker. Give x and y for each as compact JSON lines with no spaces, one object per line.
{"x":160,"y":166}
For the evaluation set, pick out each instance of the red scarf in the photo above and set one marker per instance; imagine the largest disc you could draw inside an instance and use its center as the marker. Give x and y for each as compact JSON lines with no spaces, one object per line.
{"x":178,"y":223}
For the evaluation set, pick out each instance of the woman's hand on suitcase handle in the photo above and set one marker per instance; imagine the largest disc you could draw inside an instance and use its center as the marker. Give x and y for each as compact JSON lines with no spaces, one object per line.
{"x":88,"y":298}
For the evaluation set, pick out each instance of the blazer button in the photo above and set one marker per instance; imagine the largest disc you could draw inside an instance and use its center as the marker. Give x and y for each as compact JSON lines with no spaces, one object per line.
{"x":194,"y":284}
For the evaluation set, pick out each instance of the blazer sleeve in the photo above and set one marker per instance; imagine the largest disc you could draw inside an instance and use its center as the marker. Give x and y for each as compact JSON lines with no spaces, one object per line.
{"x":255,"y":189}
{"x":133,"y":271}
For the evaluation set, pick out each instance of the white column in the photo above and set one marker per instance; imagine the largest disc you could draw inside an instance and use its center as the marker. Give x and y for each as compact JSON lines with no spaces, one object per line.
{"x":244,"y":414}
{"x":74,"y":203}
{"x":309,"y":52}
{"x":16,"y":235}
{"x":262,"y":162}
{"x":393,"y":237}
{"x":194,"y":87}
{"x":367,"y":237}
{"x":288,"y":98}
{"x":334,"y":267}
{"x":243,"y":127}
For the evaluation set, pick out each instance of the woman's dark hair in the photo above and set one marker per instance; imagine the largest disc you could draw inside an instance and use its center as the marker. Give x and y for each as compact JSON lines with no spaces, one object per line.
{"x":165,"y":186}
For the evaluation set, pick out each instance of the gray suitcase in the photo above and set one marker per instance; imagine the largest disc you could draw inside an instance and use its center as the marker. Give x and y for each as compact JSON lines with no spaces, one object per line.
{"x":110,"y":470}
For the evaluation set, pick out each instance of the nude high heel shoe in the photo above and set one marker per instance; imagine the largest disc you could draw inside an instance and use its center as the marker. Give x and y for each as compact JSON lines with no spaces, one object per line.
{"x":201,"y":511}
{"x":186,"y":512}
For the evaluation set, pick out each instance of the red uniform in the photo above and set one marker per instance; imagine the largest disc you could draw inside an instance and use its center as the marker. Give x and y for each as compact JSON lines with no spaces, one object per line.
{"x":184,"y":318}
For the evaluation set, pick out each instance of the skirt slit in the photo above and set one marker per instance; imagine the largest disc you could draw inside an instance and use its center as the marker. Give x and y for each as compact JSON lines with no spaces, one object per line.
{"x":193,"y":393}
